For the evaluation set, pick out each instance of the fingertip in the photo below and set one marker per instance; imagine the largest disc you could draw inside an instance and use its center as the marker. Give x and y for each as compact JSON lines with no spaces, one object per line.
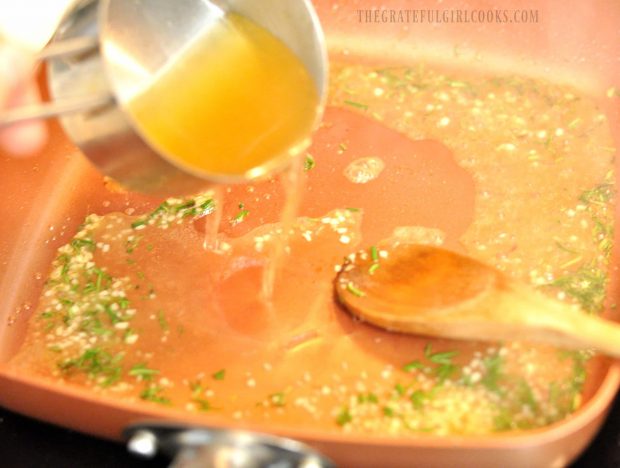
{"x":24,"y":139}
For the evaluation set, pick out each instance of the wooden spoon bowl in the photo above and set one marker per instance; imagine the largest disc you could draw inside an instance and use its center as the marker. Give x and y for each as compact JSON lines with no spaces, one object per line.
{"x":426,"y":290}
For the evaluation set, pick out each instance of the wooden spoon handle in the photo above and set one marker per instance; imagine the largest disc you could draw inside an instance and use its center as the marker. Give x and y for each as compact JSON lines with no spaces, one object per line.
{"x":539,"y":318}
{"x":594,"y":332}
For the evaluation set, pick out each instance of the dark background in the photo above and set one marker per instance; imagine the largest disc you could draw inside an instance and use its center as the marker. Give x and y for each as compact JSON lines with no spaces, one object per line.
{"x":28,"y":443}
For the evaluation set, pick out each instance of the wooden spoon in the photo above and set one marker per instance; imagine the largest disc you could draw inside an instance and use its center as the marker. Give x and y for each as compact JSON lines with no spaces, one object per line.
{"x":431,"y":291}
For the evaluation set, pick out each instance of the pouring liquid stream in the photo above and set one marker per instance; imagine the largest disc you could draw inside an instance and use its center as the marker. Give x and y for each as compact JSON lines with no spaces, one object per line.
{"x":292,"y":181}
{"x":236,"y":100}
{"x":213,"y":222}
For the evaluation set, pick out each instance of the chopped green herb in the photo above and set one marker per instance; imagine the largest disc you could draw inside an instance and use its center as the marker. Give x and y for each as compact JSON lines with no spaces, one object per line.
{"x":277,"y":399}
{"x":390,"y":74}
{"x":68,"y":317}
{"x":564,"y":248}
{"x":602,"y":193}
{"x":418,"y":397}
{"x":195,"y":207}
{"x":413,"y":365}
{"x":89,"y":287}
{"x":131,"y":244}
{"x":605,"y":246}
{"x":309,"y":162}
{"x":367,"y":398}
{"x":128,"y":334}
{"x":163,"y":208}
{"x":445,"y":371}
{"x":154,"y":393}
{"x":526,"y":395}
{"x":503,"y":421}
{"x":64,"y":272}
{"x":202,"y":403}
{"x":602,"y":229}
{"x":400,"y":389}
{"x":374,"y":253}
{"x":458,"y":84}
{"x":586,"y":285}
{"x":239,"y":217}
{"x":207,"y":207}
{"x":161,"y":318}
{"x":99,"y":278}
{"x":354,"y":290}
{"x":387,"y":411}
{"x":183,"y":206}
{"x":344,"y":417}
{"x":439,"y":358}
{"x":113,"y":316}
{"x":493,"y":372}
{"x":219,"y":375}
{"x":201,"y":210}
{"x":580,"y":358}
{"x":96,"y":363}
{"x":138,"y":223}
{"x":142,"y":371}
{"x":358,"y":105}
{"x":196,"y":387}
{"x":554,"y":394}
{"x":83,"y":243}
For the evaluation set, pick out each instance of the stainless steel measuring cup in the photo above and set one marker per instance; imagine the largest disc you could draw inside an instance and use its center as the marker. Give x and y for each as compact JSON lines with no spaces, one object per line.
{"x":106,"y":50}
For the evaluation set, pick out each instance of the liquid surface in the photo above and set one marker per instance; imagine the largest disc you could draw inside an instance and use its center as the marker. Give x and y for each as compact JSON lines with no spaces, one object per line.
{"x":362,"y":171}
{"x":235,"y":100}
{"x":515,"y":172}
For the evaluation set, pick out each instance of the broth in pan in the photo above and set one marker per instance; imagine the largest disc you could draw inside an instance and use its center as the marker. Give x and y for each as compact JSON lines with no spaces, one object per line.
{"x":516,"y":172}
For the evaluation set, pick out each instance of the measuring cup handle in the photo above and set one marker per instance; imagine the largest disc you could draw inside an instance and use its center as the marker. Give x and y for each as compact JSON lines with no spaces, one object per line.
{"x":73,"y":47}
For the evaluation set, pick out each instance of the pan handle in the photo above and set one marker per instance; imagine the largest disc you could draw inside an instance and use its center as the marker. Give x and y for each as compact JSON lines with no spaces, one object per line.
{"x":200,"y":447}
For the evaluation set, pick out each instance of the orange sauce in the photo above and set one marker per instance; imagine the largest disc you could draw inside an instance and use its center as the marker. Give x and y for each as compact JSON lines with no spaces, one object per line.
{"x":235,"y":100}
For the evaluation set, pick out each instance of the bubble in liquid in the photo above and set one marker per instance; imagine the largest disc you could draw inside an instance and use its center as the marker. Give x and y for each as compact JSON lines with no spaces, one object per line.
{"x":363,"y":170}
